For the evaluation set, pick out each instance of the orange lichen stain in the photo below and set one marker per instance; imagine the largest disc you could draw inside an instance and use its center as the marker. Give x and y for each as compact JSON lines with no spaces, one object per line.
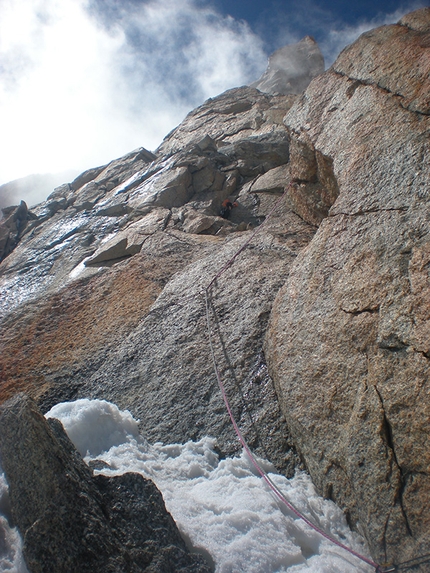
{"x":68,"y":327}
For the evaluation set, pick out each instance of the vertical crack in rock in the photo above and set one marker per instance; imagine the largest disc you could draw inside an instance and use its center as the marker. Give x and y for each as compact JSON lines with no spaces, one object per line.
{"x":356,"y":266}
{"x":388,"y":435}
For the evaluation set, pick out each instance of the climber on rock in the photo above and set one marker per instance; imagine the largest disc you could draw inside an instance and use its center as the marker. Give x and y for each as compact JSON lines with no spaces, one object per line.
{"x":226,"y":208}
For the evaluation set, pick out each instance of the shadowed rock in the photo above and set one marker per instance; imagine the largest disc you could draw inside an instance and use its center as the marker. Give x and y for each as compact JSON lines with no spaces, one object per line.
{"x":71,"y":521}
{"x":12,"y":227}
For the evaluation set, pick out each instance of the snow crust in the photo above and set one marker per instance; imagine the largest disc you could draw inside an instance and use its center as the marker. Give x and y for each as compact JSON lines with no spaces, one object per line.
{"x":222,"y":508}
{"x":95,"y":426}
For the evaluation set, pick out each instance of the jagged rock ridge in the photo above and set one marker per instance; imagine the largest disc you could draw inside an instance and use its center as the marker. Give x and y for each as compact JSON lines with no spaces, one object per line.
{"x":13,"y":227}
{"x":32,"y":187}
{"x":102,"y":295}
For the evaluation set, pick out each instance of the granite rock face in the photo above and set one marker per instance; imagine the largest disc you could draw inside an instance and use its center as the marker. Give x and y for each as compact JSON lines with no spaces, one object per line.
{"x":292,"y":68}
{"x":102,"y":297}
{"x":348,"y":343}
{"x":71,"y":520}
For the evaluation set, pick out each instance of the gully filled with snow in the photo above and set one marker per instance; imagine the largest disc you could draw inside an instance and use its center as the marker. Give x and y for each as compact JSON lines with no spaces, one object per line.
{"x":222,"y":508}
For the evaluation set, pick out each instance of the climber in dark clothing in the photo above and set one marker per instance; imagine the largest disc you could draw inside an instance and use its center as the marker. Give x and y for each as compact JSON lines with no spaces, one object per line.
{"x":226,"y":208}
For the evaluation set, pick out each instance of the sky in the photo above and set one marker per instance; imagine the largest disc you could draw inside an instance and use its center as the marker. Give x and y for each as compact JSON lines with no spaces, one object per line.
{"x":85,"y":81}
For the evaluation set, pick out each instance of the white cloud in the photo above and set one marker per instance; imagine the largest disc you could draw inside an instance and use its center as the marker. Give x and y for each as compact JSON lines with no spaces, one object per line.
{"x":309,"y":17}
{"x":85,"y":81}
{"x":52,"y":108}
{"x":82,"y":83}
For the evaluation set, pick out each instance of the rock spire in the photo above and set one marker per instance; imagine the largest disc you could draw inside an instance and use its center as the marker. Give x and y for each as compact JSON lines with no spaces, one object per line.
{"x":291,"y":68}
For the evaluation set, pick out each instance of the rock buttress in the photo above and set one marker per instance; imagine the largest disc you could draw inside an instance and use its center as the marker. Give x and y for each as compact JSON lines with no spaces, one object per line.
{"x":348,"y":343}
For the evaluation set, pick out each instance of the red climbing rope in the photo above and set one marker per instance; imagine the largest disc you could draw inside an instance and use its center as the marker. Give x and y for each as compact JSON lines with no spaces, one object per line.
{"x":263,"y":474}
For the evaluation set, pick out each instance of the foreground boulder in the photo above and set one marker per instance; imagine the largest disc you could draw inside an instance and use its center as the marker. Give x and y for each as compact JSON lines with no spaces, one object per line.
{"x":348,"y":343}
{"x":72,"y":521}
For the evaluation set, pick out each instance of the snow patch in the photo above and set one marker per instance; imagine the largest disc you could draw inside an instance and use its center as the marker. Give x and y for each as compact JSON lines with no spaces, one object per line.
{"x":95,"y":426}
{"x":222,"y":508}
{"x":11,"y":559}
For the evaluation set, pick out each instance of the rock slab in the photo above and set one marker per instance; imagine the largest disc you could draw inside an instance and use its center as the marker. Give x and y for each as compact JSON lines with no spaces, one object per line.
{"x":102,"y":298}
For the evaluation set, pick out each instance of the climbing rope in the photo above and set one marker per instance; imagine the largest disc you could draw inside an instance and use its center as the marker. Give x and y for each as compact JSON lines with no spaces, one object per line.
{"x":259,"y":469}
{"x":263,"y":474}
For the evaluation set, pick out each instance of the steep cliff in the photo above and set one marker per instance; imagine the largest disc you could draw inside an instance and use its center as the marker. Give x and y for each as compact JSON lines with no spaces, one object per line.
{"x":101,"y":295}
{"x":349,"y":338}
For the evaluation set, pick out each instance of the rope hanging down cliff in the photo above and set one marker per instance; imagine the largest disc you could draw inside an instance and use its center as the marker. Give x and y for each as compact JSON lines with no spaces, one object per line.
{"x":263,"y":474}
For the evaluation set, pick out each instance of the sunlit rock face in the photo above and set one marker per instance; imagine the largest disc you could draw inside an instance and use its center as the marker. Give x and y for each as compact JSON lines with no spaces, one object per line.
{"x":349,"y":338}
{"x":101,"y":297}
{"x":292,"y":68}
